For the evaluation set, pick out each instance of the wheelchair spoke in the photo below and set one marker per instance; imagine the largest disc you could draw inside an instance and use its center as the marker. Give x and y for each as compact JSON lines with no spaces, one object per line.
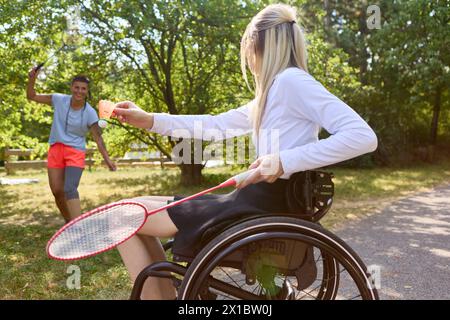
{"x":221,"y":275}
{"x":229,"y":276}
{"x":277,"y":258}
{"x":319,"y":257}
{"x":308,"y":294}
{"x":256,"y":289}
{"x":235,"y":278}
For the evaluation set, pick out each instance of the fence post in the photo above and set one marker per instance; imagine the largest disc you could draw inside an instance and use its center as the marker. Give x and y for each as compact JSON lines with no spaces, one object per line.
{"x":6,"y":161}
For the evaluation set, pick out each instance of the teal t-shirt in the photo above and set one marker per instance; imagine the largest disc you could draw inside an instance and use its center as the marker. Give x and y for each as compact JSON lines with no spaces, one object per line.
{"x":70,"y":126}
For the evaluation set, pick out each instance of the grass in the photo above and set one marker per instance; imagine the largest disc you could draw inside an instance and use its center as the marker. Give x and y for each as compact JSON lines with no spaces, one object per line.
{"x":361,"y":192}
{"x":28,"y":218}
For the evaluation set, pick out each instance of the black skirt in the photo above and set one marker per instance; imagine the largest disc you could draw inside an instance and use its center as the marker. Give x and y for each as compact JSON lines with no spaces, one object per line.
{"x":194,"y":217}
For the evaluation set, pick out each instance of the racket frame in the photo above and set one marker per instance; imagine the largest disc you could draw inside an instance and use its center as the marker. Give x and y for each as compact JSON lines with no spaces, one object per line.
{"x":230,"y":182}
{"x":85,"y":216}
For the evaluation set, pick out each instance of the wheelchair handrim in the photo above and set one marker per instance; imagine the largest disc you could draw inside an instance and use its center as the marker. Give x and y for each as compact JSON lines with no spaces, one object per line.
{"x":359,"y":271}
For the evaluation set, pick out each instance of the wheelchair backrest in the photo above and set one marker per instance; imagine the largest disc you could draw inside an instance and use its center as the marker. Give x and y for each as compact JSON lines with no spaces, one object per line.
{"x":309,"y":194}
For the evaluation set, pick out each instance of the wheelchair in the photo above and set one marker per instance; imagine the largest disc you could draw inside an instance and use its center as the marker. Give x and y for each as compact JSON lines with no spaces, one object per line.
{"x":286,"y":256}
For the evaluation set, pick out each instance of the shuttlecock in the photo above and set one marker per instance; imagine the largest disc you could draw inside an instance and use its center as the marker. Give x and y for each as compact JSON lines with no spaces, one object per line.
{"x":102,"y":123}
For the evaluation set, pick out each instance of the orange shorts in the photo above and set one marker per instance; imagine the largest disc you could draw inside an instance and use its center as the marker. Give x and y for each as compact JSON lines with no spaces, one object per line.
{"x":61,"y":156}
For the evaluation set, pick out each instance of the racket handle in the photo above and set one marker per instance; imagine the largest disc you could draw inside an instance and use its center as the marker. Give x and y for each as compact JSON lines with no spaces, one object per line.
{"x":242,"y":176}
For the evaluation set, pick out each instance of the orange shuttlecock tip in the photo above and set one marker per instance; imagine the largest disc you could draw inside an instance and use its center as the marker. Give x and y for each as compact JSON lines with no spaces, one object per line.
{"x":105,"y":109}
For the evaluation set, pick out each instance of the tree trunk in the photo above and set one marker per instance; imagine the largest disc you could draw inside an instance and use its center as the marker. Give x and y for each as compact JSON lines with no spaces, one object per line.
{"x":363,"y":54}
{"x":327,"y":21}
{"x":435,"y":120}
{"x":381,"y":155}
{"x":434,"y":124}
{"x":191,"y":174}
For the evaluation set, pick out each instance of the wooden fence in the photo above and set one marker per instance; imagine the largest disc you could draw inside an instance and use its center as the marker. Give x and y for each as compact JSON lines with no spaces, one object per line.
{"x":12,"y":165}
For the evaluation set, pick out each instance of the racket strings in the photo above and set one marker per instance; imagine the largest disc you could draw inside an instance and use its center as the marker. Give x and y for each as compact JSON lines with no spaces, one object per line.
{"x":98,"y":232}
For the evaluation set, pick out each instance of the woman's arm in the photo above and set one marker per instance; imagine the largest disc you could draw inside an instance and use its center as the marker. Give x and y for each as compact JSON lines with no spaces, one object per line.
{"x":31,"y":93}
{"x":97,"y":135}
{"x":205,"y":127}
{"x":350,"y":136}
{"x":305,"y":98}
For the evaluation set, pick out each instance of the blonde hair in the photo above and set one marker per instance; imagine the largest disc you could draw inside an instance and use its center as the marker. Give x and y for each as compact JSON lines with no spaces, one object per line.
{"x":272,"y":42}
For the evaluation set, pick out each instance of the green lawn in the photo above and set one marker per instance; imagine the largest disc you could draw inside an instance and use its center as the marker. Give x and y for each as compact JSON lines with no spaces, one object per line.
{"x":28,"y":218}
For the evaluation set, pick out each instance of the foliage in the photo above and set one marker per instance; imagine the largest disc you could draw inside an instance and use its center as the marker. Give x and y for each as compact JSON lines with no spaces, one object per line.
{"x":182,"y":57}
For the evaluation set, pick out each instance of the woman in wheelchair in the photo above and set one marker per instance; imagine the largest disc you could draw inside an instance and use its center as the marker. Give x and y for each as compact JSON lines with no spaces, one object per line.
{"x":291,"y":105}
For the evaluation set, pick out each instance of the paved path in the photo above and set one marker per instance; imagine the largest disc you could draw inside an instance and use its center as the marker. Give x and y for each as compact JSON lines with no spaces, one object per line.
{"x":410,"y":241}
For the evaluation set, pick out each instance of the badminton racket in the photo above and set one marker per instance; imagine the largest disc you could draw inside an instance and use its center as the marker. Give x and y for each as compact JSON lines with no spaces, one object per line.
{"x":104,"y":228}
{"x":70,"y":37}
{"x":40,"y":65}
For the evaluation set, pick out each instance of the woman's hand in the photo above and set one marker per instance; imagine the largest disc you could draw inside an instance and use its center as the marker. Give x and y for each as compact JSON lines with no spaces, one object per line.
{"x":268,"y":168}
{"x":130,"y":113}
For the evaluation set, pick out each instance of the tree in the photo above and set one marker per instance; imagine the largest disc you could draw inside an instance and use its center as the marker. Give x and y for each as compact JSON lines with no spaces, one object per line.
{"x":413,"y":47}
{"x":403,"y":66}
{"x":25,"y":31}
{"x":181,"y":57}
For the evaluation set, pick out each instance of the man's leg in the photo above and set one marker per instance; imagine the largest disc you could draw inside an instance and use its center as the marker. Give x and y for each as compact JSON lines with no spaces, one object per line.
{"x":56,"y":182}
{"x":71,"y":182}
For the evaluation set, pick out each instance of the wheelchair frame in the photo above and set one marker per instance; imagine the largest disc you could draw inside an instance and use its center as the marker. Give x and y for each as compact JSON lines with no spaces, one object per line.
{"x":229,"y":248}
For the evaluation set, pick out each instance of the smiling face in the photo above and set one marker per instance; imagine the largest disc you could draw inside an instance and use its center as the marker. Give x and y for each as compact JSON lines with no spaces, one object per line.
{"x":79,"y":91}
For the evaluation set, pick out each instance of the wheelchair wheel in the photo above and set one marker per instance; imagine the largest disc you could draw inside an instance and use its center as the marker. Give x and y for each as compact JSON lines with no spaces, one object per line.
{"x":277,"y":258}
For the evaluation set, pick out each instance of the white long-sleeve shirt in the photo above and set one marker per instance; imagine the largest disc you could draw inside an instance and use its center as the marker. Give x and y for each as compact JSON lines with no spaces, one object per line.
{"x":297,"y":107}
